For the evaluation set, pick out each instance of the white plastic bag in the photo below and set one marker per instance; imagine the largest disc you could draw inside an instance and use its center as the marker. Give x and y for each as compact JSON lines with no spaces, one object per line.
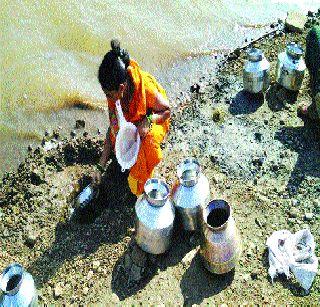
{"x":294,"y":252}
{"x":127,"y":141}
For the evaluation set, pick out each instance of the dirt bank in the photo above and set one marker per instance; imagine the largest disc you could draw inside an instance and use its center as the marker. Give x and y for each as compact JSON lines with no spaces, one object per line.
{"x":257,"y":154}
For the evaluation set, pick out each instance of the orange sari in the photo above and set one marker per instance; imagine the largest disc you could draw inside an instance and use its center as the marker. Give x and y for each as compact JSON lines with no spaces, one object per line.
{"x":143,"y":99}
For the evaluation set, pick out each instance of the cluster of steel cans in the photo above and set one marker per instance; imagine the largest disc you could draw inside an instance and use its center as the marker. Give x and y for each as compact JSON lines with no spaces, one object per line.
{"x":289,"y":71}
{"x":155,"y":213}
{"x":189,"y":199}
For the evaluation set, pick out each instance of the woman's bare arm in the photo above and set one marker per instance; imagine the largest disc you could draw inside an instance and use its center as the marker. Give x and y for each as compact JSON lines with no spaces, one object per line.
{"x":161,"y":110}
{"x":106,"y":150}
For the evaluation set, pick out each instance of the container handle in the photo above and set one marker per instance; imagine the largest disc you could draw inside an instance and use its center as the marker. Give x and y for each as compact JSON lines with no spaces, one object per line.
{"x":121,"y":119}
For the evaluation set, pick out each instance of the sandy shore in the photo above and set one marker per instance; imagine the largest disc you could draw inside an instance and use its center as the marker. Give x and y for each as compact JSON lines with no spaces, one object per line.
{"x":257,"y":154}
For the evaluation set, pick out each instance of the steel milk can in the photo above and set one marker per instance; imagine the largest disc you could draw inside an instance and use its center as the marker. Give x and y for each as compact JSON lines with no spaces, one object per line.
{"x":291,"y":67}
{"x":190,"y":193}
{"x":17,"y":287}
{"x":221,"y":246}
{"x":256,"y":72}
{"x":155,"y":215}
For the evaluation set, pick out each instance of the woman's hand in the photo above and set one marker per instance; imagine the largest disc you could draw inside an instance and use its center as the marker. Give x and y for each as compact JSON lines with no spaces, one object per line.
{"x":96,"y":178}
{"x":143,"y":128}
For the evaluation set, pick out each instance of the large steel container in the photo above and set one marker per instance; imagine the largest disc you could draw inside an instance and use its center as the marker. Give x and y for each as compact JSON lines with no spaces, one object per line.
{"x":190,"y":193}
{"x":291,"y":67}
{"x":17,"y":288}
{"x":256,"y":72}
{"x":154,"y":217}
{"x":221,"y":246}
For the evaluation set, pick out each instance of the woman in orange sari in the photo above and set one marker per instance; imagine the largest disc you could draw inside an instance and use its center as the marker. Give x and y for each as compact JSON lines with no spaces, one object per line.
{"x":144,"y":103}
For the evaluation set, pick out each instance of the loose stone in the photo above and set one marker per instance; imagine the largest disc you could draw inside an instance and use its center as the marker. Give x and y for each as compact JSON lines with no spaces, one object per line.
{"x":58,"y":291}
{"x":95,"y":264}
{"x":294,"y":212}
{"x":295,"y":21}
{"x":308,"y":216}
{"x":138,"y":256}
{"x":135,"y":273}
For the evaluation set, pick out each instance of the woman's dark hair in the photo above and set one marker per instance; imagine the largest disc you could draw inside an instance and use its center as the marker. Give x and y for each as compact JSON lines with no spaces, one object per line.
{"x":113,"y":69}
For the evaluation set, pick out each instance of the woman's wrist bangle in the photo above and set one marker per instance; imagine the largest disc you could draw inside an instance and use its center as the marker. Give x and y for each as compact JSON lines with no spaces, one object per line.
{"x":149,"y":119}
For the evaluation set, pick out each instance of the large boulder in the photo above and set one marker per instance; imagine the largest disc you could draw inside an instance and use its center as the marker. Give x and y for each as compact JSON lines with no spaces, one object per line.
{"x":295,"y":21}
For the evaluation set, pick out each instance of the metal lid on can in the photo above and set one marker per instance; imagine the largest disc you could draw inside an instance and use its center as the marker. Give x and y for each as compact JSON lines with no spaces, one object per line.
{"x":254,"y":55}
{"x":294,"y":50}
{"x":188,"y":172}
{"x":156,"y":192}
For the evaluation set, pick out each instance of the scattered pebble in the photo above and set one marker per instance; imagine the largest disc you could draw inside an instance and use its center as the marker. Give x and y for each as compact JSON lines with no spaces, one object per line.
{"x":135,"y":273}
{"x":95,"y":264}
{"x":80,"y":123}
{"x":58,"y":291}
{"x":187,"y":259}
{"x":294,"y":212}
{"x":308,"y":216}
{"x":138,"y":256}
{"x":85,"y":290}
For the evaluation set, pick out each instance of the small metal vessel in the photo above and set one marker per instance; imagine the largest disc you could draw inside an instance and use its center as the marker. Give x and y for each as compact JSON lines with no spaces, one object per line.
{"x":190,"y":193}
{"x":221,"y":246}
{"x":256,"y":72}
{"x":291,"y":67}
{"x":17,"y":287}
{"x":85,"y":197}
{"x":154,"y":217}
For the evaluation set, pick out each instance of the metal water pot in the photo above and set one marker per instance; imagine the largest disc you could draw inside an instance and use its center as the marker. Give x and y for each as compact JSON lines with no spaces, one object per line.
{"x":155,"y":215}
{"x":17,"y":287}
{"x":85,"y":197}
{"x":190,"y":193}
{"x":291,"y":67}
{"x":221,"y":246}
{"x":256,"y":72}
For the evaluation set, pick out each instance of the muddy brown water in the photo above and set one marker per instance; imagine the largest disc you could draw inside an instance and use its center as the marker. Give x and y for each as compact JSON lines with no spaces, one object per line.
{"x":217,"y":217}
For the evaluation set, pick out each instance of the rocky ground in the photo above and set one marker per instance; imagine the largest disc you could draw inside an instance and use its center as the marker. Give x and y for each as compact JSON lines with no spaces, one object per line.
{"x":257,"y":154}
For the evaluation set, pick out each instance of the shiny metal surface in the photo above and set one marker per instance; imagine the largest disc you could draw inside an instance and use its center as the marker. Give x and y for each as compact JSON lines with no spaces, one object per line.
{"x":85,"y":197}
{"x":156,"y":191}
{"x":291,"y":67}
{"x":190,"y":193}
{"x":154,"y":217}
{"x":221,"y":246}
{"x":256,"y":72}
{"x":17,"y":287}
